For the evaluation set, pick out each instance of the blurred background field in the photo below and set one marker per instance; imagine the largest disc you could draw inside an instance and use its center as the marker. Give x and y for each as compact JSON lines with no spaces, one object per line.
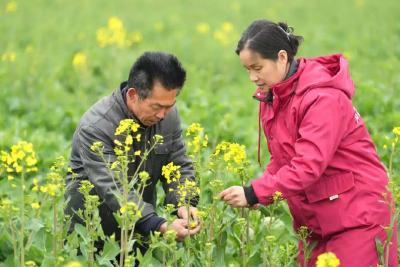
{"x":59,"y":57}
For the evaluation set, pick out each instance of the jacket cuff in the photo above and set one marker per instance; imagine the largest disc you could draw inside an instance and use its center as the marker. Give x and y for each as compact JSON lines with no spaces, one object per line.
{"x":250,"y":195}
{"x":150,"y":224}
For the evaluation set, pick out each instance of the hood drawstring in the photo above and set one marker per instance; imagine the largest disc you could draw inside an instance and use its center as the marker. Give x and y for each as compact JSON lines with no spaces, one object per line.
{"x":259,"y":134}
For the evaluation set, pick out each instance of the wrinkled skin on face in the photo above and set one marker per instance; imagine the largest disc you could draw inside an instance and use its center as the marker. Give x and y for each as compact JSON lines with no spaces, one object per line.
{"x":155,"y":107}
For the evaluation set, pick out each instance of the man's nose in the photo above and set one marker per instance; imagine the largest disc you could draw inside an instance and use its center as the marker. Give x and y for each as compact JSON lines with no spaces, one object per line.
{"x":161,"y":114}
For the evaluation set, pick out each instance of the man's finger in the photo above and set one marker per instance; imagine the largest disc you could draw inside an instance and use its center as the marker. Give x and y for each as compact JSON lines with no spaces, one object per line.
{"x":193,"y":214}
{"x":195,"y":230}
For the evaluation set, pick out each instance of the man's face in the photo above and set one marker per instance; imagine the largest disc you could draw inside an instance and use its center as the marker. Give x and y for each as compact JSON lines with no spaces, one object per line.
{"x":154,"y":108}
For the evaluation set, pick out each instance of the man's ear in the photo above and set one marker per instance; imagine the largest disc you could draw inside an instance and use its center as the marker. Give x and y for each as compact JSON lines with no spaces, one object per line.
{"x":131,"y":93}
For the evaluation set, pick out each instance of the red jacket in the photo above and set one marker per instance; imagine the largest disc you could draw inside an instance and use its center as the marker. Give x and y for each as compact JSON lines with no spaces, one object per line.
{"x":323,"y":160}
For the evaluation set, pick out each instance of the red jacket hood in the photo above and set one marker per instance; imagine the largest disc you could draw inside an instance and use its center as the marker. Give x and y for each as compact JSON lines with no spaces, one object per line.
{"x":326,"y":71}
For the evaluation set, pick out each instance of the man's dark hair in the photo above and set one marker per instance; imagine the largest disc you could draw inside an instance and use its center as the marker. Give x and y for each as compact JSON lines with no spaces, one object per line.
{"x":156,"y":66}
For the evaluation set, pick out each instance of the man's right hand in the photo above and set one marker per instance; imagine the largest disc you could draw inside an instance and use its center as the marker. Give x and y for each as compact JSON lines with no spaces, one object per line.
{"x":181,"y":228}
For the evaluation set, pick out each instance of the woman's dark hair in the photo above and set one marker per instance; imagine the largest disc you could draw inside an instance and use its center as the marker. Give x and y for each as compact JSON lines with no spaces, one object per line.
{"x":267,"y":38}
{"x":156,"y":66}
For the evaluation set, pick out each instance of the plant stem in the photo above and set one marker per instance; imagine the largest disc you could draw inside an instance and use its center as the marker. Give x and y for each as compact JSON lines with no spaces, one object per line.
{"x":14,"y":240}
{"x":55,"y":241}
{"x":22,"y":215}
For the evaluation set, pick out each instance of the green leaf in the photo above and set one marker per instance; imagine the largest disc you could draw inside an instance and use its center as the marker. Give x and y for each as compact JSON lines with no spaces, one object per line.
{"x":82,"y":232}
{"x":379,"y":249}
{"x":35,"y":225}
{"x":110,"y":251}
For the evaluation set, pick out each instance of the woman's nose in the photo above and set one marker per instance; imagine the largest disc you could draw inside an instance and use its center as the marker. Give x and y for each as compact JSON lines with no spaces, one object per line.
{"x":253,"y":77}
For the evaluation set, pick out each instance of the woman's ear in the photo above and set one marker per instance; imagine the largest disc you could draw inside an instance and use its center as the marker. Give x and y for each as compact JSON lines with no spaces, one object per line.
{"x":282,"y":56}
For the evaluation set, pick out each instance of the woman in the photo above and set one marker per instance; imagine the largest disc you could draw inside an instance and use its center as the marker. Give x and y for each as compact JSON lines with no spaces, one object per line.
{"x":323,"y":160}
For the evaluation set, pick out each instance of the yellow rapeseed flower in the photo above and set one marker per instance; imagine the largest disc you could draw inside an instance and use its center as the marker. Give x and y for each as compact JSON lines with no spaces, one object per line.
{"x":396,"y":130}
{"x":144,"y":176}
{"x":11,"y":7}
{"x":171,"y":172}
{"x":35,"y":183}
{"x":159,"y":139}
{"x":225,"y":35}
{"x":114,"y":23}
{"x":227,"y":27}
{"x":359,"y":3}
{"x":202,"y":28}
{"x":347,"y":55}
{"x":194,"y":129}
{"x":277,"y":196}
{"x":79,"y":61}
{"x":20,"y":159}
{"x":135,"y":38}
{"x":50,"y":189}
{"x":117,"y":142}
{"x":129,"y":140}
{"x":113,"y":34}
{"x":73,"y":264}
{"x":31,"y":161}
{"x":187,"y":190}
{"x":199,"y":139}
{"x":327,"y":259}
{"x":125,"y":126}
{"x":131,"y":209}
{"x":221,"y":37}
{"x":9,"y":57}
{"x":97,"y":147}
{"x":30,"y":264}
{"x":35,"y":205}
{"x":233,"y":154}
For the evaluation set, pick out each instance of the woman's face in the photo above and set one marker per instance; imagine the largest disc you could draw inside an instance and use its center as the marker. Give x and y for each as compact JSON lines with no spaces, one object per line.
{"x":264,"y":72}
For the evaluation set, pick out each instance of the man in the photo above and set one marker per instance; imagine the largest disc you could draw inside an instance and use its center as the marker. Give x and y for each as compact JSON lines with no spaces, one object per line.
{"x":148,"y":97}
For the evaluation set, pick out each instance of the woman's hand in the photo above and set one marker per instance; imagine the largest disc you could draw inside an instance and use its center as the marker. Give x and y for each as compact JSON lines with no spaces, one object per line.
{"x":234,"y":196}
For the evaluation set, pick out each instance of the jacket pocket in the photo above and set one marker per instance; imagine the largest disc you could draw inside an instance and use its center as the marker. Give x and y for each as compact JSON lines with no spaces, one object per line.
{"x":333,"y":203}
{"x":165,"y":147}
{"x":330,"y":187}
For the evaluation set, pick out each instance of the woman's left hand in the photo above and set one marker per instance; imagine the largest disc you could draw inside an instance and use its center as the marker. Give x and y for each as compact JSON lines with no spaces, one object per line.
{"x":234,"y":196}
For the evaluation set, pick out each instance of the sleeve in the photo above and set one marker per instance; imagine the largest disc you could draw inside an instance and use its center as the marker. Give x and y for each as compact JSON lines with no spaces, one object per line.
{"x":102,"y":178}
{"x":179,"y":157}
{"x":272,"y":167}
{"x":320,"y":132}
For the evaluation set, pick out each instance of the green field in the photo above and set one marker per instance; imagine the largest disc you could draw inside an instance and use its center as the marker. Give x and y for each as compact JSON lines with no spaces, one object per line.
{"x":43,"y":93}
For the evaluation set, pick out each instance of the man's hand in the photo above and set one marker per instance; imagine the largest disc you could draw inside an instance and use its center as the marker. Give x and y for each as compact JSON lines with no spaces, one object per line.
{"x":234,"y":196}
{"x":181,"y":228}
{"x":183,"y":213}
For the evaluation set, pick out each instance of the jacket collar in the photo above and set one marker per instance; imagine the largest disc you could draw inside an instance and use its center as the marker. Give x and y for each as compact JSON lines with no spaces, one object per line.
{"x":282,"y":89}
{"x":288,"y":85}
